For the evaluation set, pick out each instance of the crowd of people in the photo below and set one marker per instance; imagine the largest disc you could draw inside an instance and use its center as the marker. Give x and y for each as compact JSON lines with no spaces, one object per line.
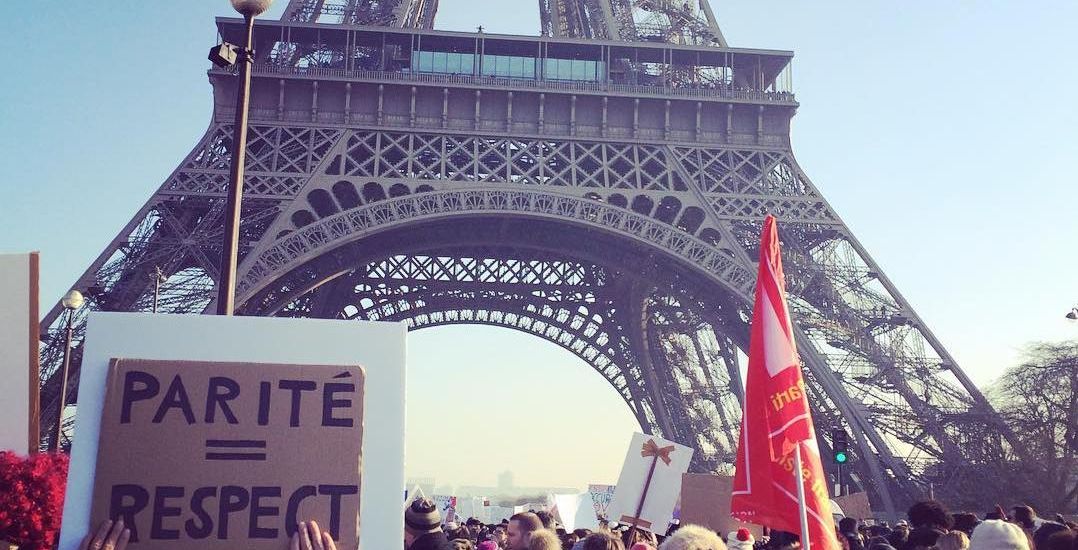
{"x":929,"y":526}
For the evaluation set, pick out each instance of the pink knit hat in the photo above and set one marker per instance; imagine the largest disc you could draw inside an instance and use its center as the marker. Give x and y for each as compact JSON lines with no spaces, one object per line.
{"x":487,"y":545}
{"x":642,"y":546}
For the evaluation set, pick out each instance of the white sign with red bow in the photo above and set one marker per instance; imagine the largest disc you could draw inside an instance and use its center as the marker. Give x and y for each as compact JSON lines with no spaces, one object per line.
{"x":650,"y":482}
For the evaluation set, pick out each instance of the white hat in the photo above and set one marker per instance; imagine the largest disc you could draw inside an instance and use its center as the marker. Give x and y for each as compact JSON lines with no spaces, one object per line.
{"x":741,"y":539}
{"x":996,"y":534}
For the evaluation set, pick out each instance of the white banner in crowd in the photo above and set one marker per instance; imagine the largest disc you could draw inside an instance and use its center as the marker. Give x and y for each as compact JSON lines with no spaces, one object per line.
{"x":18,"y":351}
{"x":664,"y":461}
{"x":378,"y":347}
{"x":576,"y":511}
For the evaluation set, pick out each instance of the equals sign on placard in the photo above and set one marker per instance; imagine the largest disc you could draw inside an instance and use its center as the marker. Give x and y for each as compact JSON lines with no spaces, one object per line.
{"x":236,"y":449}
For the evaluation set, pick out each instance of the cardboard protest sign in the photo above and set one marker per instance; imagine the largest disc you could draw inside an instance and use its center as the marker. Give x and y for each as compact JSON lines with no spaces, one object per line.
{"x":705,"y":500}
{"x":855,"y":505}
{"x":657,"y":465}
{"x":220,"y":455}
{"x":600,"y":497}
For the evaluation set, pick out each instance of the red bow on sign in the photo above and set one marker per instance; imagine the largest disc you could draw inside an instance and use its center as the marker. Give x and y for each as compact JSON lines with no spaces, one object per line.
{"x":652,"y":449}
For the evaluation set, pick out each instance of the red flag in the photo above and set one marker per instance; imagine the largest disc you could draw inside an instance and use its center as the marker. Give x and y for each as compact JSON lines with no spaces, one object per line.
{"x":776,"y":419}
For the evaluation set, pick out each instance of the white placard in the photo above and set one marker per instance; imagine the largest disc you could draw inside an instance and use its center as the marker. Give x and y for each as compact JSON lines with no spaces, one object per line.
{"x":379,"y":347}
{"x":663,"y":490}
{"x":18,"y":350}
{"x":576,"y":511}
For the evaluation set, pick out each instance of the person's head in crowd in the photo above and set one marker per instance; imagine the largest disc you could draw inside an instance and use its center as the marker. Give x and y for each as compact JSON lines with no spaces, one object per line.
{"x":568,"y":540}
{"x":848,"y":525}
{"x":964,"y":521}
{"x":898,"y":535}
{"x":953,"y":540}
{"x":546,"y":518}
{"x":929,"y":513}
{"x":462,"y":544}
{"x":1066,"y":539}
{"x":487,"y":545}
{"x":602,"y":541}
{"x":543,"y":539}
{"x":693,"y":537}
{"x":997,"y":534}
{"x":880,"y":530}
{"x":997,"y":513}
{"x":1046,"y":530}
{"x":581,"y":533}
{"x":520,"y":526}
{"x":642,"y":546}
{"x":630,"y":537}
{"x":741,"y":539}
{"x":421,"y":519}
{"x":1024,"y":516}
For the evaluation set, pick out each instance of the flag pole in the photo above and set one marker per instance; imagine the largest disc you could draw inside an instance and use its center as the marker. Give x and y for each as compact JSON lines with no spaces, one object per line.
{"x":802,"y":509}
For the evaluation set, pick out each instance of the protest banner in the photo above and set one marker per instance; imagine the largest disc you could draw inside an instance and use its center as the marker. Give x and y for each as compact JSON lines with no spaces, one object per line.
{"x":447,"y":506}
{"x":650,"y":481}
{"x":600,"y":497}
{"x":705,"y":500}
{"x":19,"y":340}
{"x":379,"y":347}
{"x":203,"y":455}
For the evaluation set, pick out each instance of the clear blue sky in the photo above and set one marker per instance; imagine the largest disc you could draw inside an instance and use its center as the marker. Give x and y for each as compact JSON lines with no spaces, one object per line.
{"x":942,"y":132}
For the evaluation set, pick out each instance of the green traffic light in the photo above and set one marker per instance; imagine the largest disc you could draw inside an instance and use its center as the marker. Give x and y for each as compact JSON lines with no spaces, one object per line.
{"x":841,"y":457}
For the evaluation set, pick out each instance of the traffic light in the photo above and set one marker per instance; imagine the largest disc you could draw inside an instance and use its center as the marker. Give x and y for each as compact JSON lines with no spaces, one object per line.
{"x":840,"y":446}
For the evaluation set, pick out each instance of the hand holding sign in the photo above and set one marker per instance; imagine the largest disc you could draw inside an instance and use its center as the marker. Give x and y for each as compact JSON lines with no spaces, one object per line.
{"x":109,"y":536}
{"x":309,"y":537}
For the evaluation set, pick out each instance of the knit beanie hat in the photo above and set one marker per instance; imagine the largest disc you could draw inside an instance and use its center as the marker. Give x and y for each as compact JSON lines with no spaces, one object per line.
{"x":741,"y":539}
{"x":487,"y":545}
{"x":422,"y":517}
{"x":996,"y":534}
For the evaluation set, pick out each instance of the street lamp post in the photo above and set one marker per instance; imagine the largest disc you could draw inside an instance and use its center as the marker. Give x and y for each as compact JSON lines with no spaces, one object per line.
{"x":72,"y":301}
{"x":226,"y":285}
{"x":158,"y":278}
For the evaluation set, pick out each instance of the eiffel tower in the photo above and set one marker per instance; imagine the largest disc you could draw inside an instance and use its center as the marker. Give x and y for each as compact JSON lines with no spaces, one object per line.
{"x":600,"y":186}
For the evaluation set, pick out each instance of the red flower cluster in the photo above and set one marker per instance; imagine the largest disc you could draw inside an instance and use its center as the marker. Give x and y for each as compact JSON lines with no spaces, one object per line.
{"x":32,"y":498}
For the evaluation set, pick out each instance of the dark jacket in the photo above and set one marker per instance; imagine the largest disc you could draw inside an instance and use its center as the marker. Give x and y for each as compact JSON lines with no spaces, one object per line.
{"x":923,"y":537}
{"x":432,"y":541}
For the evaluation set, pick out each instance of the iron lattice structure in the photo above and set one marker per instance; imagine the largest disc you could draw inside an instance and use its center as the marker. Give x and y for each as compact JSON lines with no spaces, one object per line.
{"x":605,"y":195}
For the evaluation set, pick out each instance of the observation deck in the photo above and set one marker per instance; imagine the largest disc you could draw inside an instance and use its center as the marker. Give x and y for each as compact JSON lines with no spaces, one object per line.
{"x":393,"y":77}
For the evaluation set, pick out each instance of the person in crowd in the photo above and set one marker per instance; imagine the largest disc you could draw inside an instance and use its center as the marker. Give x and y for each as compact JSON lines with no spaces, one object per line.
{"x":543,"y":539}
{"x":847,"y":528}
{"x":693,"y":537}
{"x":965,"y":522}
{"x":487,"y":545}
{"x":520,"y":527}
{"x":899,"y":534}
{"x":953,"y":540}
{"x":546,"y":518}
{"x":601,"y":541}
{"x":1036,"y":528}
{"x":998,"y":534}
{"x":929,"y":519}
{"x":1066,"y":539}
{"x":997,"y":513}
{"x":630,"y":537}
{"x":423,"y":527}
{"x":462,"y":544}
{"x":500,"y":535}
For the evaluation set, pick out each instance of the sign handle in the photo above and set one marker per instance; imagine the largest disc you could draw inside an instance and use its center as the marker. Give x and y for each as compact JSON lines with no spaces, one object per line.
{"x":643,"y":495}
